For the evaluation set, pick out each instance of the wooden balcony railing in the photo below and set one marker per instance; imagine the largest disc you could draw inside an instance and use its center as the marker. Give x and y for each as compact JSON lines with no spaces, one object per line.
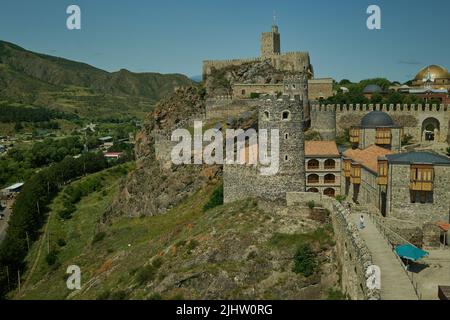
{"x":416,"y":185}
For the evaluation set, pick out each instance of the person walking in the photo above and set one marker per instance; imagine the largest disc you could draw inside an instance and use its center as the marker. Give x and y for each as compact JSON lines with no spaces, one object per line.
{"x":361,"y":222}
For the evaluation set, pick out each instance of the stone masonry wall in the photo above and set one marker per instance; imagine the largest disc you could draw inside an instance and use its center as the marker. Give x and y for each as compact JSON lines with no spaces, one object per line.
{"x":399,"y":200}
{"x":353,"y":255}
{"x":411,"y":117}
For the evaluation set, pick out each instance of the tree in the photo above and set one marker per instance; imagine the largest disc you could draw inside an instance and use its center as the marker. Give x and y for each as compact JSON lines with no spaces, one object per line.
{"x":305,"y":261}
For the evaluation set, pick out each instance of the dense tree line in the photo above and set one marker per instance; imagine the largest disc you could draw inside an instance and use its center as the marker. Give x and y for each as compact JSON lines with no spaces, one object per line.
{"x":18,"y":164}
{"x":355,"y":94}
{"x":31,"y":114}
{"x":30,"y":209}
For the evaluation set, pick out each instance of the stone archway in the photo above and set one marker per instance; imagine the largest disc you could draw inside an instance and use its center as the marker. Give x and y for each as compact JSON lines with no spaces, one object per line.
{"x":329,"y":192}
{"x":431,"y":128}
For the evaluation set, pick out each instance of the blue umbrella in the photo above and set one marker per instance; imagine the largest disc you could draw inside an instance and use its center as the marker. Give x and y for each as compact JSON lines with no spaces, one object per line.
{"x":410,"y":252}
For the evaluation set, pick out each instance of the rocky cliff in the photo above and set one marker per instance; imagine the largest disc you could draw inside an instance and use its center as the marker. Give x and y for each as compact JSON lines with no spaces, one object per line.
{"x":262,"y":72}
{"x":152,"y":189}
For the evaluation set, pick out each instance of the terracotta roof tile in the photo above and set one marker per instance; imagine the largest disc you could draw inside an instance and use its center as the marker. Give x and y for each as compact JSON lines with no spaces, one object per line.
{"x":368,"y":157}
{"x":321,"y":148}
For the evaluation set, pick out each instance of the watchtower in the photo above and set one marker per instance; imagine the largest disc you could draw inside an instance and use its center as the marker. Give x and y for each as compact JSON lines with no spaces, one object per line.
{"x":270,"y":43}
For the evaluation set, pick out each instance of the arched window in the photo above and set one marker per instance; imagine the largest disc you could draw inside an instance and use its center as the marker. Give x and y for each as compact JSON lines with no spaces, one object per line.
{"x":243,"y":92}
{"x":330,"y":164}
{"x":329,"y":192}
{"x":266,"y":115}
{"x":315,"y":190}
{"x":286,"y":158}
{"x":313,"y":164}
{"x":330,"y":178}
{"x":286,"y":115}
{"x":313,"y":178}
{"x":286,"y":136}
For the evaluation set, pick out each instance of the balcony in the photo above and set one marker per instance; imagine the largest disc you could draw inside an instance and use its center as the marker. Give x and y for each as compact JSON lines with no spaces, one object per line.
{"x":355,"y":176}
{"x":383,"y":136}
{"x":416,"y":185}
{"x":382,"y":181}
{"x":383,"y":141}
{"x":383,"y":167}
{"x":347,"y":168}
{"x":354,"y":135}
{"x":422,"y":178}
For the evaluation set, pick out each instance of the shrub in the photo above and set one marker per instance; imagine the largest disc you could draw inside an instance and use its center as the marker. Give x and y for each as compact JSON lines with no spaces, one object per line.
{"x":157,"y":263}
{"x":118,"y":295}
{"x":155,"y":296}
{"x":51,"y":257}
{"x":61,"y":242}
{"x":215,"y":200}
{"x":192,"y":245}
{"x":341,"y":198}
{"x":448,"y":151}
{"x":336,"y":294}
{"x":98,"y":237}
{"x":406,"y":139}
{"x":254,"y":95}
{"x":311,"y":204}
{"x":146,"y":274}
{"x":104,"y":295}
{"x":305,"y":260}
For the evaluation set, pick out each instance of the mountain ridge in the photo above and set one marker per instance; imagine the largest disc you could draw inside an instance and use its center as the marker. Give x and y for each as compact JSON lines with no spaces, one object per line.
{"x":41,"y":79}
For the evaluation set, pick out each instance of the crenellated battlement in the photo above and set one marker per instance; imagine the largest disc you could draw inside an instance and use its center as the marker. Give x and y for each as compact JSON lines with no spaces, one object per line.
{"x":399,"y":108}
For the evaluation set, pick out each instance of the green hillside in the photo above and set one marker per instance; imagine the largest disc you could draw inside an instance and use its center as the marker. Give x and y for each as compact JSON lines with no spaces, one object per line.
{"x":194,"y":251}
{"x":32,"y":78}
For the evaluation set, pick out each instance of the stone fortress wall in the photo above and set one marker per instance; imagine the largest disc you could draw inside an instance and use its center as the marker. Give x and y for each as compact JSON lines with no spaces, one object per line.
{"x":332,"y":120}
{"x":317,"y":88}
{"x":225,"y":106}
{"x":354,"y":257}
{"x":290,"y":61}
{"x":210,"y":65}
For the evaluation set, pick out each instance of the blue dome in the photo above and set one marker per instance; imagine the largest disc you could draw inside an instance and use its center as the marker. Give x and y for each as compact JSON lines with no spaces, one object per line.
{"x":377,"y":119}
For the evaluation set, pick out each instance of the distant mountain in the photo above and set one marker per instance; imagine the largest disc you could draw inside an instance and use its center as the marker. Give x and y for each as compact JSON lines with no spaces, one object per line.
{"x":196,"y":78}
{"x":32,"y":78}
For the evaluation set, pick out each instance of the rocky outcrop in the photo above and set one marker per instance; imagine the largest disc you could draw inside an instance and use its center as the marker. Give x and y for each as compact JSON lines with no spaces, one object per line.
{"x":153,"y":188}
{"x":262,"y":72}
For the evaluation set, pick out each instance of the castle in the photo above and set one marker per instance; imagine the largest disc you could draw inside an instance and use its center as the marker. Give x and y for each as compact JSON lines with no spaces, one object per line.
{"x":290,"y":62}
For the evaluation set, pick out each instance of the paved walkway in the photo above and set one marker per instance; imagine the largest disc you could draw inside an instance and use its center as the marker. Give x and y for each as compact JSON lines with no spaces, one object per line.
{"x":395,"y":284}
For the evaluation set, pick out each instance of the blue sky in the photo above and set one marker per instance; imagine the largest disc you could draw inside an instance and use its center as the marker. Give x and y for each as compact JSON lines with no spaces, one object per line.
{"x":176,"y":35}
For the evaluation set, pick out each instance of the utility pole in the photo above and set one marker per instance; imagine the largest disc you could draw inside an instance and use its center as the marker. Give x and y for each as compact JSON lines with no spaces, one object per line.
{"x":18,"y":278}
{"x":28,"y":240}
{"x":7,"y":277}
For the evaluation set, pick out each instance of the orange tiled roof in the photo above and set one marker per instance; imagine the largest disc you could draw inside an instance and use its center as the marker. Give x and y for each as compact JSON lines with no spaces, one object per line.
{"x":321,"y":148}
{"x":368,"y":157}
{"x":444,"y":226}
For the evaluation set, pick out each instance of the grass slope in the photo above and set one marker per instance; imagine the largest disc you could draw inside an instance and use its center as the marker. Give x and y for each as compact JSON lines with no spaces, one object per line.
{"x":233,"y":251}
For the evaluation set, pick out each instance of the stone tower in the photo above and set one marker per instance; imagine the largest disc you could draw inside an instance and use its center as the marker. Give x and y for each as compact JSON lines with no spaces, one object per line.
{"x":287,"y":115}
{"x":297,"y":86}
{"x":270,"y":43}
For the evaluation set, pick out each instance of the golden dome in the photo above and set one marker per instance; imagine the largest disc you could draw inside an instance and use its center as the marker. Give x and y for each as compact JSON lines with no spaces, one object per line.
{"x":436,"y":72}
